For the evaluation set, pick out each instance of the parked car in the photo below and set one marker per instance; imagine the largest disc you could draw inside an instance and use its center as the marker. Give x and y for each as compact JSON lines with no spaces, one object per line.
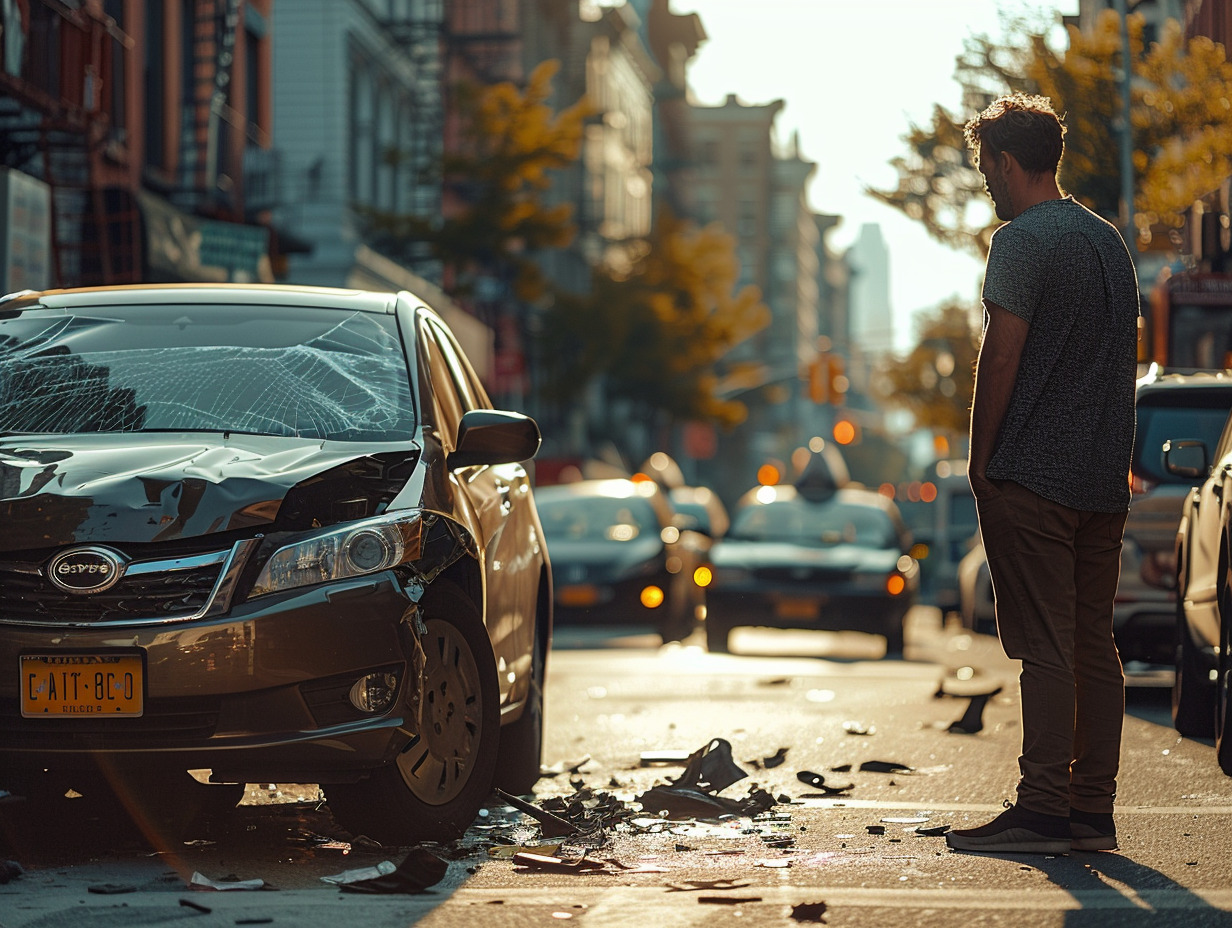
{"x":618,"y":555}
{"x":940,"y":511}
{"x":812,"y":557}
{"x":1171,"y":407}
{"x":975,"y":591}
{"x":1176,"y":407}
{"x":1200,"y":707}
{"x":275,"y":533}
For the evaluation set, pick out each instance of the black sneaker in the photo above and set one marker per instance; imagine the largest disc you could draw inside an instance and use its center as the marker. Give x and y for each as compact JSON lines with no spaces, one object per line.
{"x":1015,"y":831}
{"x":1092,"y":831}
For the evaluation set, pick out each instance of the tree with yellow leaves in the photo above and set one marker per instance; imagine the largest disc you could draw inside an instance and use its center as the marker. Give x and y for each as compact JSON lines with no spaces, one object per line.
{"x":935,"y":380}
{"x":494,"y":179}
{"x":1181,"y":114}
{"x":655,"y":336}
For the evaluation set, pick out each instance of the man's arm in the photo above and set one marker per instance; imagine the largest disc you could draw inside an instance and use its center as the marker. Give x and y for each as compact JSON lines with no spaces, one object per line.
{"x":996,"y":371}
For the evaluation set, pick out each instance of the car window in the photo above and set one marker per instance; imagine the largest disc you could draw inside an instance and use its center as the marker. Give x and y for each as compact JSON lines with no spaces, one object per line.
{"x":1202,"y":418}
{"x":596,"y":518}
{"x":823,"y":525}
{"x":448,"y":404}
{"x":270,"y":370}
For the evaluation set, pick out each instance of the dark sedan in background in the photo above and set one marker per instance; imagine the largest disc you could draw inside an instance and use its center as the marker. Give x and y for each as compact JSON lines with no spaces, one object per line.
{"x":266,"y":534}
{"x":824,"y":558}
{"x":619,"y":555}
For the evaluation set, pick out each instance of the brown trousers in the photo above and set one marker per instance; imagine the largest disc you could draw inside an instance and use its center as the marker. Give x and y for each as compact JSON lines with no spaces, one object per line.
{"x":1054,"y":577}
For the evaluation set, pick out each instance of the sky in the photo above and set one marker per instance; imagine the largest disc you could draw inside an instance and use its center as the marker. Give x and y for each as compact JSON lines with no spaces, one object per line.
{"x":854,"y":75}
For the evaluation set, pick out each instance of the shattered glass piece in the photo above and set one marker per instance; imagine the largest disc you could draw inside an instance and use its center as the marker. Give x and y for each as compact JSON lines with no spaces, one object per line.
{"x":859,"y":728}
{"x":711,"y":768}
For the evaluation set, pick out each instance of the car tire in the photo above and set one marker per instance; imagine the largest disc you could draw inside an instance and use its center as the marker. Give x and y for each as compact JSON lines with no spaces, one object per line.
{"x":437,"y":783}
{"x":520,"y":758}
{"x":717,"y":635}
{"x":894,"y":635}
{"x":1223,"y":699}
{"x":1193,"y":696}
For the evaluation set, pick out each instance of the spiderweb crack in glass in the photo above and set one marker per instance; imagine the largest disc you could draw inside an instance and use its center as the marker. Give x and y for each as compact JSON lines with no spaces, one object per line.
{"x":348,"y":383}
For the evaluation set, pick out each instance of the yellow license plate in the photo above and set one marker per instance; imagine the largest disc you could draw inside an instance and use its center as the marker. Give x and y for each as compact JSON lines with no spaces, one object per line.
{"x":580,"y":595}
{"x":73,"y":686}
{"x":796,"y":608}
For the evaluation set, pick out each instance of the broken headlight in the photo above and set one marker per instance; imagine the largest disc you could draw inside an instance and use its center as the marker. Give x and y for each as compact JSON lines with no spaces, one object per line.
{"x":352,"y":551}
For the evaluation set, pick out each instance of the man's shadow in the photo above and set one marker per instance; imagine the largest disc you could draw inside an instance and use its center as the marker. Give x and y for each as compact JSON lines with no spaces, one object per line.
{"x":1111,"y":889}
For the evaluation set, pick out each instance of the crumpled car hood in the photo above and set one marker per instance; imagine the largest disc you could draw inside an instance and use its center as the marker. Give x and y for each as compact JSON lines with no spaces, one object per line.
{"x":155,"y":487}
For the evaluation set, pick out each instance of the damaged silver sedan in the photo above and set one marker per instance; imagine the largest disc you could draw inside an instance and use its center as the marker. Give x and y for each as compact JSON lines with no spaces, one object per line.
{"x":265,"y":534}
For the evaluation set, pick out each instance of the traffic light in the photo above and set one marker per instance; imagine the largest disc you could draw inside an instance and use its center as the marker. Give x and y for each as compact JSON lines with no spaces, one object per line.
{"x":838,"y":380}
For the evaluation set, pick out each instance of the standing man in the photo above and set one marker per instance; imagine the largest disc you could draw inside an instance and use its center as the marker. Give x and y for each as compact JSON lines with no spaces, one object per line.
{"x":1052,"y":431}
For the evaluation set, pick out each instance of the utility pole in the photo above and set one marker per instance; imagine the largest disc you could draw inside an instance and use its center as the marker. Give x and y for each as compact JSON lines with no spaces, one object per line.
{"x":1127,"y":133}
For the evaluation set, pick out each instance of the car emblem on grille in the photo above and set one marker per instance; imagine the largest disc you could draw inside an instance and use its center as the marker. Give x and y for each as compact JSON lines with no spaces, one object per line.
{"x":86,"y":570}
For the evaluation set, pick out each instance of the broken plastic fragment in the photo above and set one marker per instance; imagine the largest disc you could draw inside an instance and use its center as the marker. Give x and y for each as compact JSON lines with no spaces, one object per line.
{"x":972,"y":720}
{"x":551,"y":826}
{"x":418,"y":870}
{"x":775,"y":759}
{"x":817,"y":781}
{"x":556,"y":864}
{"x":384,"y":868}
{"x":884,"y":766}
{"x":711,"y":768}
{"x":932,"y":831}
{"x":200,"y":879}
{"x":809,"y":912}
{"x":664,"y":758}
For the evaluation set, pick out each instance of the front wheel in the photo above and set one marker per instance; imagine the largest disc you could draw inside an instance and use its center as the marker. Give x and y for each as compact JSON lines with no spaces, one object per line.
{"x":434,"y":788}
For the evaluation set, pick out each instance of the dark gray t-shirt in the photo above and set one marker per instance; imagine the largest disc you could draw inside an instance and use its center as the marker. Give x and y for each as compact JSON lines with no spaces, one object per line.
{"x":1069,"y":431}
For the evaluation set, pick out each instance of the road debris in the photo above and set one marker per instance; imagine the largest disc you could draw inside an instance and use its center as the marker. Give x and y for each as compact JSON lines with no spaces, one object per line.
{"x":818,"y":781}
{"x":550,"y":824}
{"x":419,"y":869}
{"x":201,"y":881}
{"x":556,"y":864}
{"x":809,"y":912}
{"x":384,"y":868}
{"x":189,"y":904}
{"x":884,"y":766}
{"x":972,"y":720}
{"x":859,"y":728}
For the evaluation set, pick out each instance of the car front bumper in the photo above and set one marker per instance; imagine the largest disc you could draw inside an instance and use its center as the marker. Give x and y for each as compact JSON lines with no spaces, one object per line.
{"x":263,"y":692}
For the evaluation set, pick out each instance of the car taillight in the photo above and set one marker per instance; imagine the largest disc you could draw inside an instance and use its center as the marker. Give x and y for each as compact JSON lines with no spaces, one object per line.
{"x":1139,"y":484}
{"x":895,"y":584}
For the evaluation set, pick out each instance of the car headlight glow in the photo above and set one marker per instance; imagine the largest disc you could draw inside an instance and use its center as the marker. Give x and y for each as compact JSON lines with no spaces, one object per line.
{"x":357,"y":549}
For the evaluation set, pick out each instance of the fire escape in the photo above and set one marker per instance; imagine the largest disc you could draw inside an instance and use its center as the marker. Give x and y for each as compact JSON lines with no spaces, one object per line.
{"x":56,"y":125}
{"x":207,"y":126}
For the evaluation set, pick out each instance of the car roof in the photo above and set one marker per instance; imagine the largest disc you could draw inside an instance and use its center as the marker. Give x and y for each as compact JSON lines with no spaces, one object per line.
{"x":1163,"y":379}
{"x":613,"y":487}
{"x":151,"y":294}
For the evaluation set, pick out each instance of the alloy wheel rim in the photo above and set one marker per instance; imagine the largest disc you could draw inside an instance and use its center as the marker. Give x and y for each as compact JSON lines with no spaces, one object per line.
{"x":437,"y":763}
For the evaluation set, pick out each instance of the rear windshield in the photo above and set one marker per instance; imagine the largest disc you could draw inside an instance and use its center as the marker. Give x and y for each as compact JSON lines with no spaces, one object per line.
{"x":1172,"y":415}
{"x":816,"y":525}
{"x":596,"y":518}
{"x":284,"y":371}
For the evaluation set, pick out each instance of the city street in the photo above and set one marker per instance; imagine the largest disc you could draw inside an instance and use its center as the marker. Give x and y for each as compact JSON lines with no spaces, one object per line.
{"x":621,"y":713}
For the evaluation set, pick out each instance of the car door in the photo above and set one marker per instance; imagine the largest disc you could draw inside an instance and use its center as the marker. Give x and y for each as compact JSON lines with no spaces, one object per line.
{"x":498,"y":496}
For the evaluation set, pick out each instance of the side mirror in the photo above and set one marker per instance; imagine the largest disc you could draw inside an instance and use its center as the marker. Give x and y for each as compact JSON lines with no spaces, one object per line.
{"x":494,"y":436}
{"x":1186,"y":458}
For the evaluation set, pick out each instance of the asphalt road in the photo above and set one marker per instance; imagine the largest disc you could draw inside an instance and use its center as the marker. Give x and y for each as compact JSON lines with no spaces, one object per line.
{"x":785,"y":703}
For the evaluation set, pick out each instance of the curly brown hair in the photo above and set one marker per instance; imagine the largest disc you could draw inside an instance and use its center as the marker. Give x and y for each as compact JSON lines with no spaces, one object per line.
{"x":1025,"y":125}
